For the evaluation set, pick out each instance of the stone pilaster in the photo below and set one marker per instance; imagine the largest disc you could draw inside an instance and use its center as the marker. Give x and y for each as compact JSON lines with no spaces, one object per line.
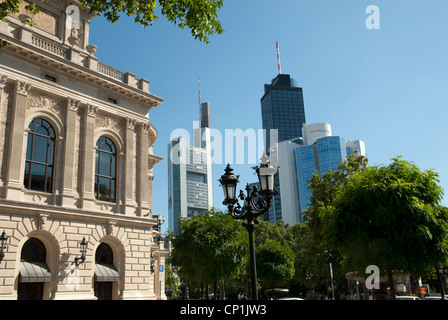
{"x":3,"y":96}
{"x":67,"y":195}
{"x":142,"y":169}
{"x":15,"y":168}
{"x":88,"y":156}
{"x":129,"y":202}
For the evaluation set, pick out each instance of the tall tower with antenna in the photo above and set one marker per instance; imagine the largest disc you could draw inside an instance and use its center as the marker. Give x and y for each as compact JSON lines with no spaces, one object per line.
{"x":283,"y":116}
{"x":278,"y":58}
{"x":190,"y":185}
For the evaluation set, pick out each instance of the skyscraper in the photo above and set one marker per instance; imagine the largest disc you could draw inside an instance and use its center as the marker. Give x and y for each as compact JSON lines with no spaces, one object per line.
{"x":321,"y":152}
{"x":283,"y":115}
{"x":190,"y":173}
{"x":282,"y":108}
{"x":299,"y":158}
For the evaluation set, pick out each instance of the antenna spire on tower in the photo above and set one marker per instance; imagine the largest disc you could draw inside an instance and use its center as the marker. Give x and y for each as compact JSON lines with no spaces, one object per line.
{"x":199,"y":90}
{"x":278,"y":58}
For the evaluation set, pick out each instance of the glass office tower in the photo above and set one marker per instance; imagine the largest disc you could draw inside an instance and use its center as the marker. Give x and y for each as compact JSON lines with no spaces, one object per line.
{"x":298,"y":159}
{"x":324,"y":154}
{"x":282,"y":108}
{"x":190,"y":185}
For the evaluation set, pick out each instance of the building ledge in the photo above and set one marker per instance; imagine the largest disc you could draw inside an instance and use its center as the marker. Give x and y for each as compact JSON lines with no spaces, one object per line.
{"x":19,"y":207}
{"x":38,"y":50}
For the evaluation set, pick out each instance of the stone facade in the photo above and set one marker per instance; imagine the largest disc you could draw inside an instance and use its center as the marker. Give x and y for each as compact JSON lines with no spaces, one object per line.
{"x":48,"y":72}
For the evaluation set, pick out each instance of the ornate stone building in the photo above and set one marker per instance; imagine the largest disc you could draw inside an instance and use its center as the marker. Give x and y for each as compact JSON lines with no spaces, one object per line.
{"x":76,"y":166}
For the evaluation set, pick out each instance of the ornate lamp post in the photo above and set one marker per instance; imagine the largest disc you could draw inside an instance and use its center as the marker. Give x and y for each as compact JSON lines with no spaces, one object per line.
{"x":161,"y":220}
{"x":442,"y":274}
{"x":256,"y":203}
{"x":3,"y":239}
{"x":79,"y":260}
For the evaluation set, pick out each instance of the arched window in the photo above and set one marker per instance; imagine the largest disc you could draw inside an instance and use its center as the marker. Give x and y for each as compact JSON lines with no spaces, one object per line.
{"x":105,"y":170}
{"x":104,"y":254}
{"x":33,"y":272}
{"x":39,"y":156}
{"x":33,"y":251}
{"x":105,"y":273}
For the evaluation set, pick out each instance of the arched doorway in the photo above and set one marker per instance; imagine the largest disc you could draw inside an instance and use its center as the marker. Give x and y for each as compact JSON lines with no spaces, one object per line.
{"x":34,"y":272}
{"x":105,"y":272}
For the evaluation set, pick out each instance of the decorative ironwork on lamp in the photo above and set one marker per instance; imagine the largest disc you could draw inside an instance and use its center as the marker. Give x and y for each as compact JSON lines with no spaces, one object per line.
{"x":161,"y":220}
{"x":256,"y":203}
{"x":82,"y":258}
{"x":3,"y":239}
{"x":152,"y":263}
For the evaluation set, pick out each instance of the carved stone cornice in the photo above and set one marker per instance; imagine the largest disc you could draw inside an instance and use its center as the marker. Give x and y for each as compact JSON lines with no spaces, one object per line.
{"x":73,"y":104}
{"x":44,"y":102}
{"x":23,"y":88}
{"x":109,"y":122}
{"x":91,"y":110}
{"x":130,"y":123}
{"x":41,"y":220}
{"x":39,"y":57}
{"x":144,"y":127}
{"x":152,"y":132}
{"x":3,"y":79}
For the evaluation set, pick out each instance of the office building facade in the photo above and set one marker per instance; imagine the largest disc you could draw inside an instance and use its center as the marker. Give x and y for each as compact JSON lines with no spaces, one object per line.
{"x":283,"y":115}
{"x":300,"y":158}
{"x":190,"y":188}
{"x":76,"y":158}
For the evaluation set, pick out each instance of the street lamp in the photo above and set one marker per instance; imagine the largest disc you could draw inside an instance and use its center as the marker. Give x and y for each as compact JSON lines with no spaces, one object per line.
{"x":3,"y":239}
{"x":83,"y":251}
{"x":442,"y":274}
{"x":256,"y":203}
{"x":161,"y":220}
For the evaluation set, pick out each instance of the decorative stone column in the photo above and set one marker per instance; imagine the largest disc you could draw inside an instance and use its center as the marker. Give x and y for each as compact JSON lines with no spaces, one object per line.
{"x":14,"y":173}
{"x":129,"y":184}
{"x":142,"y":164}
{"x":67,"y":195}
{"x":88,"y":156}
{"x":3,"y":114}
{"x":159,"y":274}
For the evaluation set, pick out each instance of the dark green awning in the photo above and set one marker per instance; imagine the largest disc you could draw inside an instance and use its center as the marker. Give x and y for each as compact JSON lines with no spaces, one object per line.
{"x":34,"y":272}
{"x":106,"y":273}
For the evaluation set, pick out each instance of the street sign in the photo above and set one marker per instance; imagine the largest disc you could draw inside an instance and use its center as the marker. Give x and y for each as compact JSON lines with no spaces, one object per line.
{"x":161,"y":268}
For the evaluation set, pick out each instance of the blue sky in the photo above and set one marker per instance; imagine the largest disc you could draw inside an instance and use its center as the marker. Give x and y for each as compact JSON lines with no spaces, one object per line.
{"x":387,"y":87}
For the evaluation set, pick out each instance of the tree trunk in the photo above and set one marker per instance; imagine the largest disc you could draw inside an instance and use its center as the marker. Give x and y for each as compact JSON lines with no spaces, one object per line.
{"x":391,"y":284}
{"x":215,"y":291}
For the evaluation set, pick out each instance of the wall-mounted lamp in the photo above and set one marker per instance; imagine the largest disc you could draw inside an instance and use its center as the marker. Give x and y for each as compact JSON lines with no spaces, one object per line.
{"x":152,"y":262}
{"x":83,"y":252}
{"x":3,"y":239}
{"x":161,"y":220}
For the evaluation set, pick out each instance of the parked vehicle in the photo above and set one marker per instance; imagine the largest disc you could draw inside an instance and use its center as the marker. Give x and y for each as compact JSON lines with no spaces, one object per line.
{"x":436,"y":298}
{"x":407,"y":298}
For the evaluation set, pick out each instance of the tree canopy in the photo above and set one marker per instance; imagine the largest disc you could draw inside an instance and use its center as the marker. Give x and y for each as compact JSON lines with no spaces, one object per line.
{"x":389,"y":216}
{"x":199,"y":16}
{"x":210,"y":246}
{"x":275,"y":263}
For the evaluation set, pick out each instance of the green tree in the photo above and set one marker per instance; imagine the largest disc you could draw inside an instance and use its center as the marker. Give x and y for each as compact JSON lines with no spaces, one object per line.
{"x":279,"y":231}
{"x":313,"y":253}
{"x":172,"y":282}
{"x":200,"y":16}
{"x":211,"y":246}
{"x":275,"y":263}
{"x":389,"y":216}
